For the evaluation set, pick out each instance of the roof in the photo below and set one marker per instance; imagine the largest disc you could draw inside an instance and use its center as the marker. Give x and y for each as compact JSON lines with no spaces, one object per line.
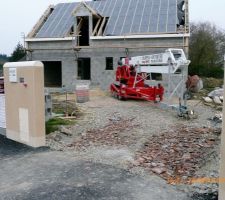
{"x":125,"y":17}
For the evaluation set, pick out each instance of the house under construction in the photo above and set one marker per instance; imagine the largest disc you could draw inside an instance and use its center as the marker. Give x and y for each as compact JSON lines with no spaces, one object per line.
{"x":84,"y":40}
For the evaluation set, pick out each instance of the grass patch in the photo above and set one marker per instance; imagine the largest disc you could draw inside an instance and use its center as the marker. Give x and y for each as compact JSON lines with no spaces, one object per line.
{"x":54,"y":123}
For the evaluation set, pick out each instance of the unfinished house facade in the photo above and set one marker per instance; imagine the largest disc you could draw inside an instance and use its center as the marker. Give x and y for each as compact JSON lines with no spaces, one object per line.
{"x":83,"y":41}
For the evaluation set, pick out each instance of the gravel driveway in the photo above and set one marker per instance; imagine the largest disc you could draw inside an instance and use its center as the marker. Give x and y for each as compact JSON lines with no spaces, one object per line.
{"x":94,"y":160}
{"x":111,"y":132}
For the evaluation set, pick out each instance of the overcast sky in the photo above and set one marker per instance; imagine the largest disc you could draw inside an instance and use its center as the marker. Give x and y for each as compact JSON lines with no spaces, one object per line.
{"x":19,"y":16}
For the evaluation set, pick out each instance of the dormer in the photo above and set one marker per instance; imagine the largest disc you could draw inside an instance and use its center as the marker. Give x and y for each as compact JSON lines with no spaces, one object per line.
{"x":88,"y":22}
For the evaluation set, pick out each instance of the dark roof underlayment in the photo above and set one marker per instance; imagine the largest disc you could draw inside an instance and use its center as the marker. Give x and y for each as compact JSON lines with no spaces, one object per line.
{"x":126,"y":17}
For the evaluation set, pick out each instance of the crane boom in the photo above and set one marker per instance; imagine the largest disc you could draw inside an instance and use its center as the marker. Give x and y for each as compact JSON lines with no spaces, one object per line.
{"x":168,"y":62}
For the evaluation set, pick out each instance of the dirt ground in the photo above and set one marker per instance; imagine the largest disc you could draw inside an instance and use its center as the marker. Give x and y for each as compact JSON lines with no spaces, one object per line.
{"x":117,"y":150}
{"x":113,"y":133}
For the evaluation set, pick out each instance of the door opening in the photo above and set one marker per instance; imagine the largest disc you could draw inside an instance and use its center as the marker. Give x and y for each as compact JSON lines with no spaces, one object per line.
{"x":53,"y":73}
{"x":84,"y":69}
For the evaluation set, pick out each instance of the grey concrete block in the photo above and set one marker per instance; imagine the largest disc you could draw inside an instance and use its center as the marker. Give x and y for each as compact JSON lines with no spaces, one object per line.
{"x":99,"y":76}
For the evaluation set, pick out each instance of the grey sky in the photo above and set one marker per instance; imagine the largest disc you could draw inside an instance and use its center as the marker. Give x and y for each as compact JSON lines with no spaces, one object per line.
{"x":19,"y":16}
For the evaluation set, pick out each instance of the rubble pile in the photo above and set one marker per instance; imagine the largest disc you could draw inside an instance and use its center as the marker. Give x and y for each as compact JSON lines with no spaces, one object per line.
{"x":215,"y":96}
{"x":179,"y":152}
{"x":111,"y":134}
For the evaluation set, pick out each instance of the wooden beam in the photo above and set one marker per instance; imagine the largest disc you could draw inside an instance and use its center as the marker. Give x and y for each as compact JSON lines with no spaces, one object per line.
{"x":40,"y":22}
{"x":96,"y":27}
{"x":79,"y":26}
{"x":101,"y":27}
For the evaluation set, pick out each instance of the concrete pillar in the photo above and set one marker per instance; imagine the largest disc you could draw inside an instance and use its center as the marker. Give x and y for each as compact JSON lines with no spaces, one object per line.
{"x":24,"y":100}
{"x":222,"y":151}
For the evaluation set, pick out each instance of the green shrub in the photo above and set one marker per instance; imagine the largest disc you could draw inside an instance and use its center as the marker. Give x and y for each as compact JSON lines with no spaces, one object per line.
{"x":215,"y":72}
{"x":54,"y":123}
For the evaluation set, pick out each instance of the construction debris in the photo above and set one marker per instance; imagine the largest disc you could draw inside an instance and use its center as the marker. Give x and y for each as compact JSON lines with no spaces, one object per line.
{"x":179,"y":152}
{"x":217,"y":100}
{"x":194,"y":83}
{"x":213,"y":101}
{"x":207,"y":99}
{"x":217,"y":118}
{"x":215,"y":97}
{"x":66,"y":131}
{"x":110,"y":134}
{"x":217,"y":92}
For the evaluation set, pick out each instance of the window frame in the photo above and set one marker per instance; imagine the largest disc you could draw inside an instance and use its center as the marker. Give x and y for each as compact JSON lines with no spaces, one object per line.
{"x":109,"y":63}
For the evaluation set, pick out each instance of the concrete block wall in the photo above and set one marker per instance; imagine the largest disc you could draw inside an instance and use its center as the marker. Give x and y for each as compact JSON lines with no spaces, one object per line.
{"x":139,"y":42}
{"x":100,"y":76}
{"x":69,"y":73}
{"x":97,"y":52}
